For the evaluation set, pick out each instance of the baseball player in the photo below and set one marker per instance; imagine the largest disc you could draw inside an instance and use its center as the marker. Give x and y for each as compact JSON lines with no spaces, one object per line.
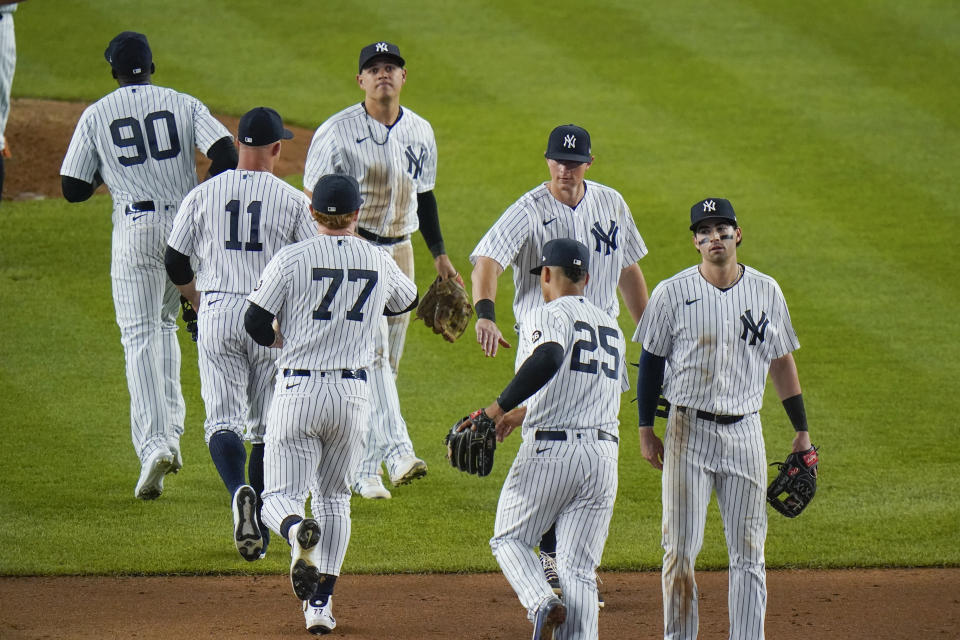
{"x":392,"y":153}
{"x":720,"y":326}
{"x":566,"y":469}
{"x":568,"y":206}
{"x":327,"y":294}
{"x":139,"y":140}
{"x":8,"y":64}
{"x":230,"y":226}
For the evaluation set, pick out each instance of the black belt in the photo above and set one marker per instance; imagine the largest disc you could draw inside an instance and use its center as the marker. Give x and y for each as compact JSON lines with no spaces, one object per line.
{"x":712,"y":417}
{"x":356,"y":374}
{"x":553,"y":434}
{"x":372,"y":237}
{"x":143,"y":205}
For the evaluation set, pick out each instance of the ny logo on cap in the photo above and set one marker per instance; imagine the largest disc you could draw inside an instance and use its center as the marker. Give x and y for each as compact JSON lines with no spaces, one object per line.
{"x":709,"y":205}
{"x":570,"y":141}
{"x":382,"y":46}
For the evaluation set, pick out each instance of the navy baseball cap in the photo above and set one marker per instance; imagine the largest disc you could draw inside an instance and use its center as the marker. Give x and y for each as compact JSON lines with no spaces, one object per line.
{"x":569,"y":142}
{"x":261,"y":126}
{"x":129,"y":53}
{"x":712,"y":208}
{"x":563,"y":252}
{"x":378,"y":49}
{"x":336,"y":193}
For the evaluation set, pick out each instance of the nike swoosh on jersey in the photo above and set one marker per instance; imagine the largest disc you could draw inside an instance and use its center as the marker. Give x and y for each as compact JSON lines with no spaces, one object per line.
{"x":138,"y":217}
{"x":359,"y":140}
{"x":546,"y":222}
{"x":690,"y":302}
{"x":291,"y":385}
{"x":544,"y":449}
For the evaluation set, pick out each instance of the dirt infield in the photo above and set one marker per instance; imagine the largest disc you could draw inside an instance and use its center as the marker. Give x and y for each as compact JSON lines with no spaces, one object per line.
{"x":919,"y":604}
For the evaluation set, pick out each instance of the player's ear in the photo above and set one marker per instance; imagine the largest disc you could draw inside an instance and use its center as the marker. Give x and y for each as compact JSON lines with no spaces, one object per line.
{"x":153,"y":68}
{"x":113,"y":72}
{"x":275,"y":149}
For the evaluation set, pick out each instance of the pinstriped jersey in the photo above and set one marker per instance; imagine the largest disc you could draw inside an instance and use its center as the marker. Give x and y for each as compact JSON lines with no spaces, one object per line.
{"x":233,"y":223}
{"x":392,"y":165}
{"x":585,"y":392}
{"x":718,"y":344}
{"x":601,"y":220}
{"x":329,"y":294}
{"x":8,"y":8}
{"x":141,"y":139}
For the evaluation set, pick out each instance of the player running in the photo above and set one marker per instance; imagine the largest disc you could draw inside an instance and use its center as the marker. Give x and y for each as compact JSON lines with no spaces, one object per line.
{"x":392,"y":153}
{"x":230,"y":227}
{"x":139,"y":141}
{"x":721,"y":326}
{"x":566,"y":469}
{"x":328,"y":294}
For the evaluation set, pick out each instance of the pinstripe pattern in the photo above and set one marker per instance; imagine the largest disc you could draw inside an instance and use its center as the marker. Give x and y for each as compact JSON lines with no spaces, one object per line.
{"x":390,"y":174}
{"x":236,"y":373}
{"x":8,"y":64}
{"x":572,"y":482}
{"x":317,"y":424}
{"x":718,"y":345}
{"x":145,"y":301}
{"x":518,"y":236}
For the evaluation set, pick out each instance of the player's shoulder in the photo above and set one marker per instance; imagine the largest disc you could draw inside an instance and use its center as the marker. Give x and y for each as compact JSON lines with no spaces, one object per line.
{"x":353,"y":112}
{"x":602,"y":189}
{"x":679,"y":280}
{"x":535,"y":198}
{"x":758,"y":278}
{"x":414,"y":118}
{"x":287,"y":189}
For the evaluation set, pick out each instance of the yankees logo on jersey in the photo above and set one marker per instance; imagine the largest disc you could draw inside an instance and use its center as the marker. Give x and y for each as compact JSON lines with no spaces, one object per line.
{"x":141,"y":138}
{"x":392,"y":164}
{"x":747,"y":326}
{"x":602,"y":221}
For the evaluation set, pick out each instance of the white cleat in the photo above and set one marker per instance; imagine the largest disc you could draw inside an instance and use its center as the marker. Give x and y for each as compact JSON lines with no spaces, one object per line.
{"x":150,"y":484}
{"x":371,"y":488}
{"x":304,"y":574}
{"x":319,"y":617}
{"x":407,"y":469}
{"x":177,"y":457}
{"x":247,"y":533}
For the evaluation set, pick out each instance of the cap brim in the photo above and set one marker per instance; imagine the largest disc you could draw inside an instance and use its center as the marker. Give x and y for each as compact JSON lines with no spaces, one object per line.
{"x":389,"y":56}
{"x":287,"y":134}
{"x":570,"y":157}
{"x":536,"y":270}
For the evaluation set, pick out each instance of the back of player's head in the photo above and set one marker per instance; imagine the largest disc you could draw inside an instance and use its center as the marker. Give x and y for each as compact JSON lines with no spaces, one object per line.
{"x":380,"y":49}
{"x":129,"y":55}
{"x":568,"y":254}
{"x":334,"y":197}
{"x":261,"y":126}
{"x":570,"y":143}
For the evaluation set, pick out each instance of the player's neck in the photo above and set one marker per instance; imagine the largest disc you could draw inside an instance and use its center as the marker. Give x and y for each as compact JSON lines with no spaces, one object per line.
{"x":385,"y":112}
{"x":722,"y":276}
{"x":567,"y":193}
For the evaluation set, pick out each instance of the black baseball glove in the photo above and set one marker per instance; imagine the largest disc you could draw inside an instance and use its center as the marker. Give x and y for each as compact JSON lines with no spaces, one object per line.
{"x":189,"y":317}
{"x":471,"y":450}
{"x":793,"y":488}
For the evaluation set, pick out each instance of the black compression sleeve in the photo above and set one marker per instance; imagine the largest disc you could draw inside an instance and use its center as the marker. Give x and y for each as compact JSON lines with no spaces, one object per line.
{"x":649,"y":382}
{"x":430,"y":223}
{"x":413,"y":305}
{"x":535,"y":372}
{"x":76,"y":190}
{"x":259,"y":324}
{"x":796,"y":412}
{"x":178,"y":266}
{"x":223,"y":156}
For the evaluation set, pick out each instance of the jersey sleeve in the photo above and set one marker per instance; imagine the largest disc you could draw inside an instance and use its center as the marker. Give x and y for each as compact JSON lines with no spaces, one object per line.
{"x":305,"y":226}
{"x":428,"y":178}
{"x":547,"y":325}
{"x":182,"y":235}
{"x":207,"y":128}
{"x":633,"y":246}
{"x":785,"y":338}
{"x":271,"y":292}
{"x":655,"y":331}
{"x":323,"y":156}
{"x":503,"y":241}
{"x":403,"y":291}
{"x":81,"y":160}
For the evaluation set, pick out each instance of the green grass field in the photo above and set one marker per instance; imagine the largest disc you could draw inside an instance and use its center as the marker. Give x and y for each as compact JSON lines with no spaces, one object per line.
{"x":831,"y":126}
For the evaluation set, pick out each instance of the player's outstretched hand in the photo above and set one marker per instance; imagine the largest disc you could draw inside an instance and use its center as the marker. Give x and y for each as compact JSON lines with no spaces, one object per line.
{"x":446,"y":270}
{"x":489,"y":337}
{"x":651,"y":447}
{"x":510,"y":421}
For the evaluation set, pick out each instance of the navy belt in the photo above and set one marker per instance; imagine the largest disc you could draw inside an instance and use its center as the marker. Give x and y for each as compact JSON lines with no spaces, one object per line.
{"x":372,"y":237}
{"x":143,"y":205}
{"x":552,"y":434}
{"x":356,"y":374}
{"x":712,"y":417}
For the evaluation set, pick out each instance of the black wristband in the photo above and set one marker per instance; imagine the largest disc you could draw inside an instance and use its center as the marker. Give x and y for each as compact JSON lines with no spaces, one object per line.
{"x":796,"y":412}
{"x":484,"y":309}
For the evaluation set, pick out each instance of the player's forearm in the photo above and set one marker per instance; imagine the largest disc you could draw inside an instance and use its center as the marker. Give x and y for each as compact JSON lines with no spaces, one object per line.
{"x":783,"y":373}
{"x":633,"y":288}
{"x":533,"y":374}
{"x":483,"y":279}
